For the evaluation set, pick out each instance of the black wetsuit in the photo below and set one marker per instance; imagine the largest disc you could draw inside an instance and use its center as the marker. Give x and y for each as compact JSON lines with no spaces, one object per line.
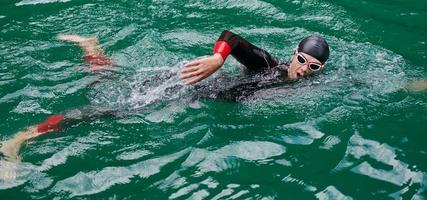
{"x":265,"y":71}
{"x":251,"y":56}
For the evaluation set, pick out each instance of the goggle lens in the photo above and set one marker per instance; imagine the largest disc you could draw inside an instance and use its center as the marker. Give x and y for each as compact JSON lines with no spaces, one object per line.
{"x":301,"y":59}
{"x":314,"y":67}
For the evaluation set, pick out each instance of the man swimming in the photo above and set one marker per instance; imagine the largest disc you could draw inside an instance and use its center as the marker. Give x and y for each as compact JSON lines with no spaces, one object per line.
{"x":309,"y":57}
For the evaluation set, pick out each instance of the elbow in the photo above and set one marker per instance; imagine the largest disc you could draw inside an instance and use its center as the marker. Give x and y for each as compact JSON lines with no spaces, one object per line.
{"x":226,"y":35}
{"x":225,"y":31}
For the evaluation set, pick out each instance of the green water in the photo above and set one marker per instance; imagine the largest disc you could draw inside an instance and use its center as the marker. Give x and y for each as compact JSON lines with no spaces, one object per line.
{"x":351,"y":132}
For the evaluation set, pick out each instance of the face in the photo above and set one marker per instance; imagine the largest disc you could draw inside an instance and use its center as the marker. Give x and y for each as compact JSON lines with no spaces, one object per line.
{"x":298,"y":68}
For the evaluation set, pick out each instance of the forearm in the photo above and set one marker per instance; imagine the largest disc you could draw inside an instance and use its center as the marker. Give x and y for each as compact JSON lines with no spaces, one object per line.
{"x":228,"y":43}
{"x":246,"y":53}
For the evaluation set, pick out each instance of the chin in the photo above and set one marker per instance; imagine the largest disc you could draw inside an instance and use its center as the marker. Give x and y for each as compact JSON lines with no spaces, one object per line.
{"x":292,"y":76}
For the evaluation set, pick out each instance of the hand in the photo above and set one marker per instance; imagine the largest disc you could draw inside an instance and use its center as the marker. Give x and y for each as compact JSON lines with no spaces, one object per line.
{"x":199,"y":69}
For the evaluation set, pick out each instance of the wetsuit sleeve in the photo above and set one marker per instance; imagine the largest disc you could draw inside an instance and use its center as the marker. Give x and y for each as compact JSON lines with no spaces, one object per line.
{"x":249,"y":55}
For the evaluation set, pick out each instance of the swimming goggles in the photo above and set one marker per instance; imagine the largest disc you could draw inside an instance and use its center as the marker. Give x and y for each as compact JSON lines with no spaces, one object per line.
{"x":314,"y":66}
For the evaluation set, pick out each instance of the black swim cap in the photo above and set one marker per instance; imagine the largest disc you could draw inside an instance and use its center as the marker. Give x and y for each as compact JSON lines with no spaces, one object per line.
{"x":315,"y":46}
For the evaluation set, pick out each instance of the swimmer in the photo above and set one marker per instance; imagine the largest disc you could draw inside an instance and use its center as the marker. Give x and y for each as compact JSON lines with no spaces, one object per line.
{"x":309,"y":57}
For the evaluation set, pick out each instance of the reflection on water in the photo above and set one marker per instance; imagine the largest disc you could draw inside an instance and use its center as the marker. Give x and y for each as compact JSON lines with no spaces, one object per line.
{"x":331,"y":192}
{"x":98,"y":181}
{"x":363,"y":157}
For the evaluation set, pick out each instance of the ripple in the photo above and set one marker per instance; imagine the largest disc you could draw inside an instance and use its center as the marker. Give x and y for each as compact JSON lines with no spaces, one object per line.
{"x":35,"y":2}
{"x":223,"y":158}
{"x":399,"y":174}
{"x":28,"y":91}
{"x":310,"y":133}
{"x":86,"y":183}
{"x":30,"y":106}
{"x":290,"y":179}
{"x":166,"y":114}
{"x":14,"y":174}
{"x":185,"y":38}
{"x":251,"y":150}
{"x":331,"y":192}
{"x":133,"y":155}
{"x":183,"y":191}
{"x":76,"y":148}
{"x":330,"y":141}
{"x":253,"y":6}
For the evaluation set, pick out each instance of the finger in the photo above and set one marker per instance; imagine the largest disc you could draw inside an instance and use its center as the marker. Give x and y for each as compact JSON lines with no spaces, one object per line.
{"x":192,"y":63}
{"x":195,"y":80}
{"x":189,"y":69}
{"x":185,"y":75}
{"x":190,"y":74}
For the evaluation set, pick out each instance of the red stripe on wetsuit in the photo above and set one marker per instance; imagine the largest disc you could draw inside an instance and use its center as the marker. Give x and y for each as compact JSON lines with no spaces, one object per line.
{"x":222,"y":48}
{"x":97,"y":61}
{"x":52,"y":124}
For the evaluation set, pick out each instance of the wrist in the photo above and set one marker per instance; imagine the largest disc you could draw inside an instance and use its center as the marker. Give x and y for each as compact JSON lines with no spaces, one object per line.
{"x":223,"y":48}
{"x":219,"y":59}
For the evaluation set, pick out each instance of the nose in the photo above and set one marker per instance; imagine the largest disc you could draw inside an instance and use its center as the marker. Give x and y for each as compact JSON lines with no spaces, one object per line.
{"x":302,"y":71}
{"x":305,"y":68}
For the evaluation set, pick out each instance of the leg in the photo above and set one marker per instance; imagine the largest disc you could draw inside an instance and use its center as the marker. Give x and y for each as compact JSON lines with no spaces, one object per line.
{"x":10,"y":148}
{"x":93,"y":53}
{"x":52,"y":124}
{"x":89,"y":45}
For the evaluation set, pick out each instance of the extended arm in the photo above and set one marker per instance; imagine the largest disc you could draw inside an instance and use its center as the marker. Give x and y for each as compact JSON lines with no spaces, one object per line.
{"x":246,"y":53}
{"x":228,"y":43}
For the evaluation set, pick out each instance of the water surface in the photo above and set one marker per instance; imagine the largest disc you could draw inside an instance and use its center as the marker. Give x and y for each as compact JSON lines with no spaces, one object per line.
{"x":351,"y":132}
